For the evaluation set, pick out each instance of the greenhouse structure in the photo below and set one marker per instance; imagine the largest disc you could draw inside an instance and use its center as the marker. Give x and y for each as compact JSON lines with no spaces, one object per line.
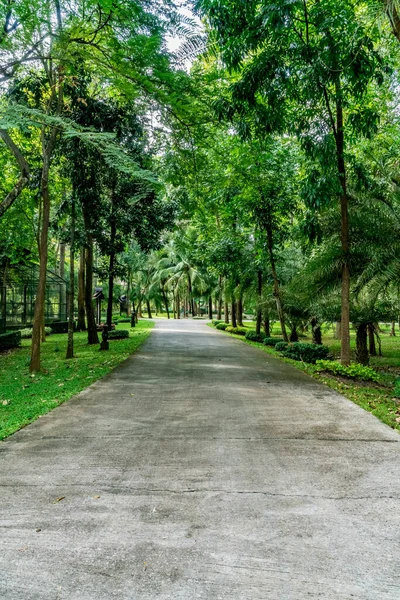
{"x":18,"y":286}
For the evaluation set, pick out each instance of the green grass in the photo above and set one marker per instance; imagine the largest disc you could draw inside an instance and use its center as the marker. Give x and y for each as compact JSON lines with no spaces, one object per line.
{"x":25,"y":397}
{"x":377,"y":399}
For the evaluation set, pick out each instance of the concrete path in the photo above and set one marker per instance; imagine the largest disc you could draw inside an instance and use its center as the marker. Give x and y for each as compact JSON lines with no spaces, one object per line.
{"x":201,"y":468}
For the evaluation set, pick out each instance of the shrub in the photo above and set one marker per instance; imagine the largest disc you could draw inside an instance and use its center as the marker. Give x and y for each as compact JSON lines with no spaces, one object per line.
{"x":236,"y":330}
{"x":124,"y":320}
{"x":281,"y":346}
{"x":255,"y":337}
{"x":268,"y":341}
{"x":118,"y":334}
{"x":354,"y":371}
{"x":59,"y":327}
{"x":10,"y":339}
{"x":216,"y":321}
{"x":26,"y":334}
{"x":308,"y":353}
{"x":396,"y":392}
{"x":222,"y":326}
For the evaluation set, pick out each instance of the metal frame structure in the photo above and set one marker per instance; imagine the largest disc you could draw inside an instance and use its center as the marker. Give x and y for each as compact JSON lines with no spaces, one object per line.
{"x":18,"y":293}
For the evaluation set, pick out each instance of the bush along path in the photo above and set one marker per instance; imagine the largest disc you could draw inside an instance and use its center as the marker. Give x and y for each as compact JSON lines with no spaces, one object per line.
{"x":378,"y":393}
{"x":24,"y":397}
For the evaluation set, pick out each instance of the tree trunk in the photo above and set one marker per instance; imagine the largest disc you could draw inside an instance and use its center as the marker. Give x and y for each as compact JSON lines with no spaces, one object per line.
{"x":63,"y":298}
{"x":128,"y":294}
{"x":233,"y":313}
{"x":226,"y":312}
{"x":240,"y":312}
{"x":276,"y":288}
{"x":371,"y":339}
{"x":219,"y":311}
{"x":345,"y":240}
{"x":259,"y":300}
{"x":41,"y":290}
{"x":265,"y":322}
{"x":294,"y":336}
{"x":316,"y":331}
{"x":81,"y":325}
{"x":393,"y":329}
{"x":338,"y":331}
{"x":165,"y":300}
{"x":148,"y":309}
{"x":361,"y":345}
{"x":178,"y":306}
{"x":93,"y":338}
{"x":190,"y":295}
{"x":70,"y":343}
{"x":210,"y":308}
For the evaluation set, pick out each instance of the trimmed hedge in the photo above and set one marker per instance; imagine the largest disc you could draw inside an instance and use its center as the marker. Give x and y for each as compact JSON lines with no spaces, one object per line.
{"x":124,"y":320}
{"x":59,"y":327}
{"x":269,"y":341}
{"x":118,"y":334}
{"x":308,"y":353}
{"x":222,"y":326}
{"x":216,"y":321}
{"x":10,"y":339}
{"x":26,"y":334}
{"x":354,"y":371}
{"x":255,"y":337}
{"x":236,"y":330}
{"x":281,"y":346}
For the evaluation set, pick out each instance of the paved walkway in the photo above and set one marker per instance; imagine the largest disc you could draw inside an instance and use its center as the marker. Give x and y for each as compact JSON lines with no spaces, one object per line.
{"x":201,"y":468}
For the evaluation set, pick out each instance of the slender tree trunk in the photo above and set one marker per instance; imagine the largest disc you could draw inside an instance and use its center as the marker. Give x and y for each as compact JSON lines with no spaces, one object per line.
{"x":361,"y":345}
{"x":233,"y":313}
{"x":276,"y":288}
{"x":219,"y":312}
{"x":338,"y":331}
{"x":190,"y":296}
{"x":226,"y":311}
{"x":178,"y":306}
{"x":148,"y":309}
{"x":41,"y":290}
{"x":165,"y":298}
{"x":294,"y":336}
{"x":345,"y":239}
{"x":63,"y":297}
{"x":266,"y":324}
{"x":371,"y":339}
{"x":259,"y":300}
{"x":93,"y":338}
{"x":81,"y":325}
{"x":393,"y":329}
{"x":139,"y":310}
{"x":316,"y":331}
{"x":240,"y":311}
{"x":70,"y":343}
{"x":128,"y":294}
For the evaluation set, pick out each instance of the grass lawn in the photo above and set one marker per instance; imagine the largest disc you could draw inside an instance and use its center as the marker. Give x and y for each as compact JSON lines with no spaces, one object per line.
{"x":25,"y":397}
{"x":375,"y":398}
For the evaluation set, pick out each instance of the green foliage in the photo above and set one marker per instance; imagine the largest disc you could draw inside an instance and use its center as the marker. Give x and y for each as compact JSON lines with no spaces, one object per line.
{"x":308,"y":353}
{"x":222,"y":326}
{"x":269,"y":341}
{"x":354,"y":371}
{"x":10,"y":339}
{"x":255,"y":337}
{"x":215,"y":322}
{"x":281,"y":346}
{"x":236,"y":330}
{"x":26,"y":333}
{"x":124,"y":320}
{"x":118,"y":334}
{"x":59,"y":327}
{"x":396,"y":392}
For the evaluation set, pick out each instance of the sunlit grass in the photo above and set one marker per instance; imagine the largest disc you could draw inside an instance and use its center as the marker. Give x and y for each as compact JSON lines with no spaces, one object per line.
{"x":23,"y":397}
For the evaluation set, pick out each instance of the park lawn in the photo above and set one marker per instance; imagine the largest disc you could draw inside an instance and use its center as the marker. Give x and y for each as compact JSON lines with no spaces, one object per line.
{"x":25,"y":397}
{"x":376,"y":399}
